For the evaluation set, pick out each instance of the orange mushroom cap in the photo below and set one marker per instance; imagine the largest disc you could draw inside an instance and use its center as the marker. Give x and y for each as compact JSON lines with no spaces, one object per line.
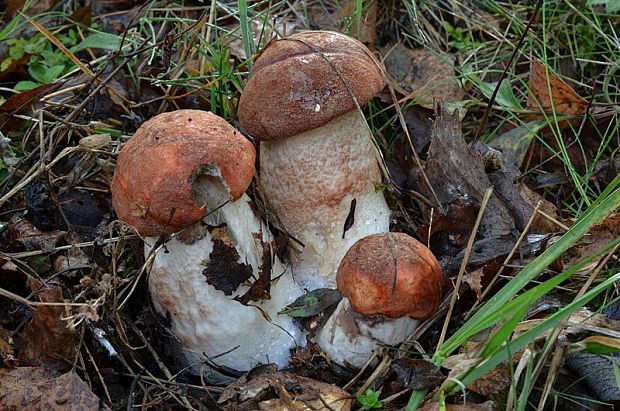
{"x":391,"y":274}
{"x":153,"y":188}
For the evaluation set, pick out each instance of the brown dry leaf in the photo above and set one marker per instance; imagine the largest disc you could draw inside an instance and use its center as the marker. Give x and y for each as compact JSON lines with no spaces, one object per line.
{"x":21,"y":103}
{"x":47,"y":339}
{"x":474,"y":280}
{"x":496,"y":381}
{"x":548,"y":93}
{"x":422,"y":75}
{"x":485,"y":406}
{"x":600,"y":235}
{"x":294,"y":393}
{"x":342,"y":18}
{"x":37,"y":388}
{"x":6,"y":348}
{"x":540,"y":224}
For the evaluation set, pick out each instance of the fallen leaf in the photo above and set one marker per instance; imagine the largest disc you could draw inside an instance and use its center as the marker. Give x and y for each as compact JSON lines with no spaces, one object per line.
{"x":47,"y":340}
{"x":417,"y":374}
{"x":474,"y":280}
{"x":550,"y":94}
{"x":515,"y":143}
{"x":24,"y":235}
{"x":457,"y":175}
{"x":342,"y":17}
{"x":38,"y":388}
{"x":421,"y":75}
{"x":312,"y":303}
{"x":292,"y":392}
{"x":22,"y":103}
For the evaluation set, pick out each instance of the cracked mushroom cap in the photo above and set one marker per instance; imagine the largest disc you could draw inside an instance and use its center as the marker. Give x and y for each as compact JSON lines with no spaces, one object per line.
{"x":174,"y":162}
{"x":391,"y":274}
{"x":306,"y":80}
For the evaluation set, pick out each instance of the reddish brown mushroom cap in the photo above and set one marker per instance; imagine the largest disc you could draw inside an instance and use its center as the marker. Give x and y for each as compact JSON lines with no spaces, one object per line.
{"x":300,"y":83}
{"x":391,"y":274}
{"x":157,"y":170}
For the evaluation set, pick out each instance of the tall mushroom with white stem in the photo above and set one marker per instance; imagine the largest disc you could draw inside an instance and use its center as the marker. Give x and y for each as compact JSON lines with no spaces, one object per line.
{"x":389,"y":281}
{"x":318,"y":165}
{"x":191,"y":168}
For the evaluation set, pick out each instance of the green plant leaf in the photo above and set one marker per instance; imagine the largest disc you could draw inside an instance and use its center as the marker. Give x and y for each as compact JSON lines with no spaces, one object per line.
{"x":611,"y":5}
{"x":104,"y":41}
{"x":369,"y":400}
{"x":26,"y":85}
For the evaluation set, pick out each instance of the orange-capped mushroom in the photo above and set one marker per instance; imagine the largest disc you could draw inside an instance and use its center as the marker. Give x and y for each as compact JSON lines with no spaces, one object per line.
{"x":389,"y":282}
{"x":161,"y":173}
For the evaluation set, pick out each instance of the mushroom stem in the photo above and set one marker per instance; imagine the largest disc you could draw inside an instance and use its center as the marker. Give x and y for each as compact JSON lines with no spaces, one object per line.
{"x":215,"y":324}
{"x":318,"y":182}
{"x":350,"y":338}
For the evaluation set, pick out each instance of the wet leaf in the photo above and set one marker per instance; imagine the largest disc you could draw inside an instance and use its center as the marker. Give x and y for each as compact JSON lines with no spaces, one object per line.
{"x":550,"y":94}
{"x":417,"y":374}
{"x":312,"y":303}
{"x":422,"y":75}
{"x":514,"y":144}
{"x":37,"y":388}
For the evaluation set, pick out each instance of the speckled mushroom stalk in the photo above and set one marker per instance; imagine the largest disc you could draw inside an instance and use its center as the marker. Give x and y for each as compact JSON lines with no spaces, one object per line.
{"x":176,"y":168}
{"x":389,"y":282}
{"x":318,"y":165}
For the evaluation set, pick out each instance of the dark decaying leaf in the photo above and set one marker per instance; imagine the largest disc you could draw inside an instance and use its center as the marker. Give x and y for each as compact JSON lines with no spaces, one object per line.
{"x":458,"y":176}
{"x":312,"y":303}
{"x":38,"y":388}
{"x":350,"y":220}
{"x":224,"y":271}
{"x":41,"y":205}
{"x":259,"y":290}
{"x":24,"y":235}
{"x":417,"y":374}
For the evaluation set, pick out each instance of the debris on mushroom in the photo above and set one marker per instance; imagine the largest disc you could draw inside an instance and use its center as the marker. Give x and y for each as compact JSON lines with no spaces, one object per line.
{"x":389,"y":281}
{"x":217,"y":281}
{"x":318,"y":165}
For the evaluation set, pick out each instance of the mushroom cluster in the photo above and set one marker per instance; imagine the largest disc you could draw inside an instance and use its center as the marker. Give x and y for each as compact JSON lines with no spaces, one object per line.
{"x":218,"y":280}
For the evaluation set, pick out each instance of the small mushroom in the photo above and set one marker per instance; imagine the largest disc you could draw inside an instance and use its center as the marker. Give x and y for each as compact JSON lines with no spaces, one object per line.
{"x":318,"y":165}
{"x":389,"y":281}
{"x":178,"y":167}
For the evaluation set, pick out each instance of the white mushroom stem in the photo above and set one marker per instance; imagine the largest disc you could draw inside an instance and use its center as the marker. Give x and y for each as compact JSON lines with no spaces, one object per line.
{"x":311,"y":180}
{"x":205,"y":319}
{"x":350,"y":338}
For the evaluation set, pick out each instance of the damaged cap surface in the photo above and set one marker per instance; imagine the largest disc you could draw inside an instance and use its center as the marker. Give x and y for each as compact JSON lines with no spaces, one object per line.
{"x":155,"y":185}
{"x":304,"y":81}
{"x":391,"y":274}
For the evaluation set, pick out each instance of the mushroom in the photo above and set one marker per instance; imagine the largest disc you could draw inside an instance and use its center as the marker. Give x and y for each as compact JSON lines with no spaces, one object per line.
{"x":389,"y":281}
{"x":178,"y":167}
{"x":318,"y":164}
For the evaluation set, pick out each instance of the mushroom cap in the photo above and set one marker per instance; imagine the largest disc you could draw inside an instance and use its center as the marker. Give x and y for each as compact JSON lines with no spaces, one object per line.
{"x":304,"y":81}
{"x":391,"y":274}
{"x":162,"y":166}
